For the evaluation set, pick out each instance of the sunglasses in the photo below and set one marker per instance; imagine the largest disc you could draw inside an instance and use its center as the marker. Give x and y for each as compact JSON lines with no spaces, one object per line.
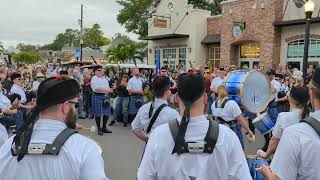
{"x":76,"y":104}
{"x":19,"y":79}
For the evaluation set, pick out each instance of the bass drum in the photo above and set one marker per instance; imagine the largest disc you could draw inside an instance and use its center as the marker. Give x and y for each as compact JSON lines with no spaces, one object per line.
{"x":250,"y":89}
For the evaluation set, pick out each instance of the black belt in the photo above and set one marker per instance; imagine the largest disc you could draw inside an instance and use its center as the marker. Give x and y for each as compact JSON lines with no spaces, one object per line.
{"x":99,"y":94}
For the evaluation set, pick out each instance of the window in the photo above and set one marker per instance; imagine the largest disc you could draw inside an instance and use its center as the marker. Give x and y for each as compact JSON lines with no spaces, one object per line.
{"x":296,"y":49}
{"x":169,"y":56}
{"x":250,"y":50}
{"x":182,"y":56}
{"x":214,"y":56}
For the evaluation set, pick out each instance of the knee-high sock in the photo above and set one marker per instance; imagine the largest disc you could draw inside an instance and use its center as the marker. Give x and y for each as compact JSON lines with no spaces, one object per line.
{"x":105,"y":120}
{"x":98,"y":122}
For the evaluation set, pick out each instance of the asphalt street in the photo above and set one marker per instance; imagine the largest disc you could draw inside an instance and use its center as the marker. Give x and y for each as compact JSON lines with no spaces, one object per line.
{"x":122,"y":150}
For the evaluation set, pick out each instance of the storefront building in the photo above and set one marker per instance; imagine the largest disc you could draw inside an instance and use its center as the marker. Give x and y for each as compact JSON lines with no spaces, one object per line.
{"x":292,"y":35}
{"x":252,"y":33}
{"x":244,"y":34}
{"x":175,"y":31}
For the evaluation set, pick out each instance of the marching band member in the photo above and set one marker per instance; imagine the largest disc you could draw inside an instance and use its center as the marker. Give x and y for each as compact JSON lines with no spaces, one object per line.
{"x":297,"y":156}
{"x":136,"y":92}
{"x":49,"y":147}
{"x":155,"y":113}
{"x":298,"y":101}
{"x":273,"y":105}
{"x":196,"y":148}
{"x":228,"y":112}
{"x":101,"y":106}
{"x":215,"y":83}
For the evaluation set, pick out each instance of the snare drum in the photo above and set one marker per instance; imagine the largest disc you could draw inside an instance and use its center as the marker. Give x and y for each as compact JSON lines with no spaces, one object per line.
{"x":255,"y":162}
{"x":263,"y":123}
{"x":251,"y":89}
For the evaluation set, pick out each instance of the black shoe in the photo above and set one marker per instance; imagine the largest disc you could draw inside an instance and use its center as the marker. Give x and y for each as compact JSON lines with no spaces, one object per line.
{"x":106,"y":130}
{"x":81,"y":117}
{"x":125,"y":124}
{"x":91,"y":116}
{"x":100,"y":133}
{"x":112,"y":123}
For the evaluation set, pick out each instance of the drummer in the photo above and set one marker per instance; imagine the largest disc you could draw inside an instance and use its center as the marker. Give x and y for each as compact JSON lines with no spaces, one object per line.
{"x":273,"y":105}
{"x":298,"y":101}
{"x":228,"y":112}
{"x":297,"y":155}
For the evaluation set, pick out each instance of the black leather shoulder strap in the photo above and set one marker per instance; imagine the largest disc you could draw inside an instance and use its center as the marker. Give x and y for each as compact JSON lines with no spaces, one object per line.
{"x":174,"y":128}
{"x":154,"y":117}
{"x":211,"y":136}
{"x":315,"y":124}
{"x":223,"y":103}
{"x":54,"y":148}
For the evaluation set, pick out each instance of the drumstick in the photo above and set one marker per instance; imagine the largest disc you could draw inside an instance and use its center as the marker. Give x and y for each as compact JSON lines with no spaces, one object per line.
{"x":91,"y":129}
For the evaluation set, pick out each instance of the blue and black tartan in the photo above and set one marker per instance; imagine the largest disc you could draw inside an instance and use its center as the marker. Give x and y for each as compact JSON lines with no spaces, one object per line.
{"x":235,"y":127}
{"x":96,"y":105}
{"x":132,"y":103}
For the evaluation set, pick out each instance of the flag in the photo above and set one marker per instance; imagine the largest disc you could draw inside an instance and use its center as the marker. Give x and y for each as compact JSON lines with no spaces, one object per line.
{"x":158,"y":64}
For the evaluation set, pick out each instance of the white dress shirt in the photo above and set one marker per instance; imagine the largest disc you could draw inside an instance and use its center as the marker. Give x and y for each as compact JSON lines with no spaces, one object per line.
{"x":99,"y":82}
{"x":284,"y":120}
{"x":277,"y":86}
{"x":216,"y":82}
{"x":297,"y":156}
{"x":35,"y":85}
{"x":5,"y":103}
{"x":78,"y":159}
{"x":142,"y":120}
{"x":230,"y":111}
{"x":226,"y":162}
{"x":15,"y":89}
{"x":135,"y":83}
{"x":3,"y":136}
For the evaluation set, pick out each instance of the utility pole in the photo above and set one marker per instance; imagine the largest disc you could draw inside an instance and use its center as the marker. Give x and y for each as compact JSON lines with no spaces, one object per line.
{"x":81,"y":40}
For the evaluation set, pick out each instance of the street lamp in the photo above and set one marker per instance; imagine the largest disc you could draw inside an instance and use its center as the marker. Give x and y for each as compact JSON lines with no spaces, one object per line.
{"x":37,"y":49}
{"x":81,"y":46}
{"x":308,"y":9}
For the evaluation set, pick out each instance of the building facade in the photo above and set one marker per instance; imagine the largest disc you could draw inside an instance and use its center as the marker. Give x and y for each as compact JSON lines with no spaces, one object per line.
{"x":175,"y":32}
{"x":247,"y":34}
{"x":244,"y":34}
{"x":292,"y":35}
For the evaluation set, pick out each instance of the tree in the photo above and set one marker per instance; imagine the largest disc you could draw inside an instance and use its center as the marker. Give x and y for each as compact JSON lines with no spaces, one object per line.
{"x":26,"y":47}
{"x":1,"y":47}
{"x":135,"y":13}
{"x":126,"y":51}
{"x":25,"y":57}
{"x":93,"y":37}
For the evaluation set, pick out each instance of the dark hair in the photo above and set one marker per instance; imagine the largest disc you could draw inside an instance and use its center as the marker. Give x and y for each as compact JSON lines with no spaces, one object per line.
{"x":160,"y":85}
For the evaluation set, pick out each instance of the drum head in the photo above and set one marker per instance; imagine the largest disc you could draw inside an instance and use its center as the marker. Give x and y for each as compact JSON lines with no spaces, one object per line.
{"x":255,"y":92}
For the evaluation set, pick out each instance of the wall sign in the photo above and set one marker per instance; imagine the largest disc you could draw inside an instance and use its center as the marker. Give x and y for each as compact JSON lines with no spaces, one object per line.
{"x":237,"y":29}
{"x":160,"y":23}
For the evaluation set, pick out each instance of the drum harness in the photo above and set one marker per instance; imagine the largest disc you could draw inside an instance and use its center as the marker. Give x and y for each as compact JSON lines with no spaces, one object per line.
{"x":38,"y":148}
{"x":230,"y":124}
{"x":181,"y":146}
{"x":155,"y":116}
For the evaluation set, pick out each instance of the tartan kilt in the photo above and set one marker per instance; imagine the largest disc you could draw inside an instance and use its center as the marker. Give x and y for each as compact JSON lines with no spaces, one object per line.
{"x":235,"y":127}
{"x":96,"y":105}
{"x":132,"y":103}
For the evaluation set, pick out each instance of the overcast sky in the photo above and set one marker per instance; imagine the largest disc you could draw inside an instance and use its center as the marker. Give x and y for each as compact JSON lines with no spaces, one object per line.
{"x":39,"y":21}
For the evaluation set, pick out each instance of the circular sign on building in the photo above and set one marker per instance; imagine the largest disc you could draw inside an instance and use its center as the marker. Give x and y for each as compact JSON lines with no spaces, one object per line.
{"x":170,"y":6}
{"x":237,"y":29}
